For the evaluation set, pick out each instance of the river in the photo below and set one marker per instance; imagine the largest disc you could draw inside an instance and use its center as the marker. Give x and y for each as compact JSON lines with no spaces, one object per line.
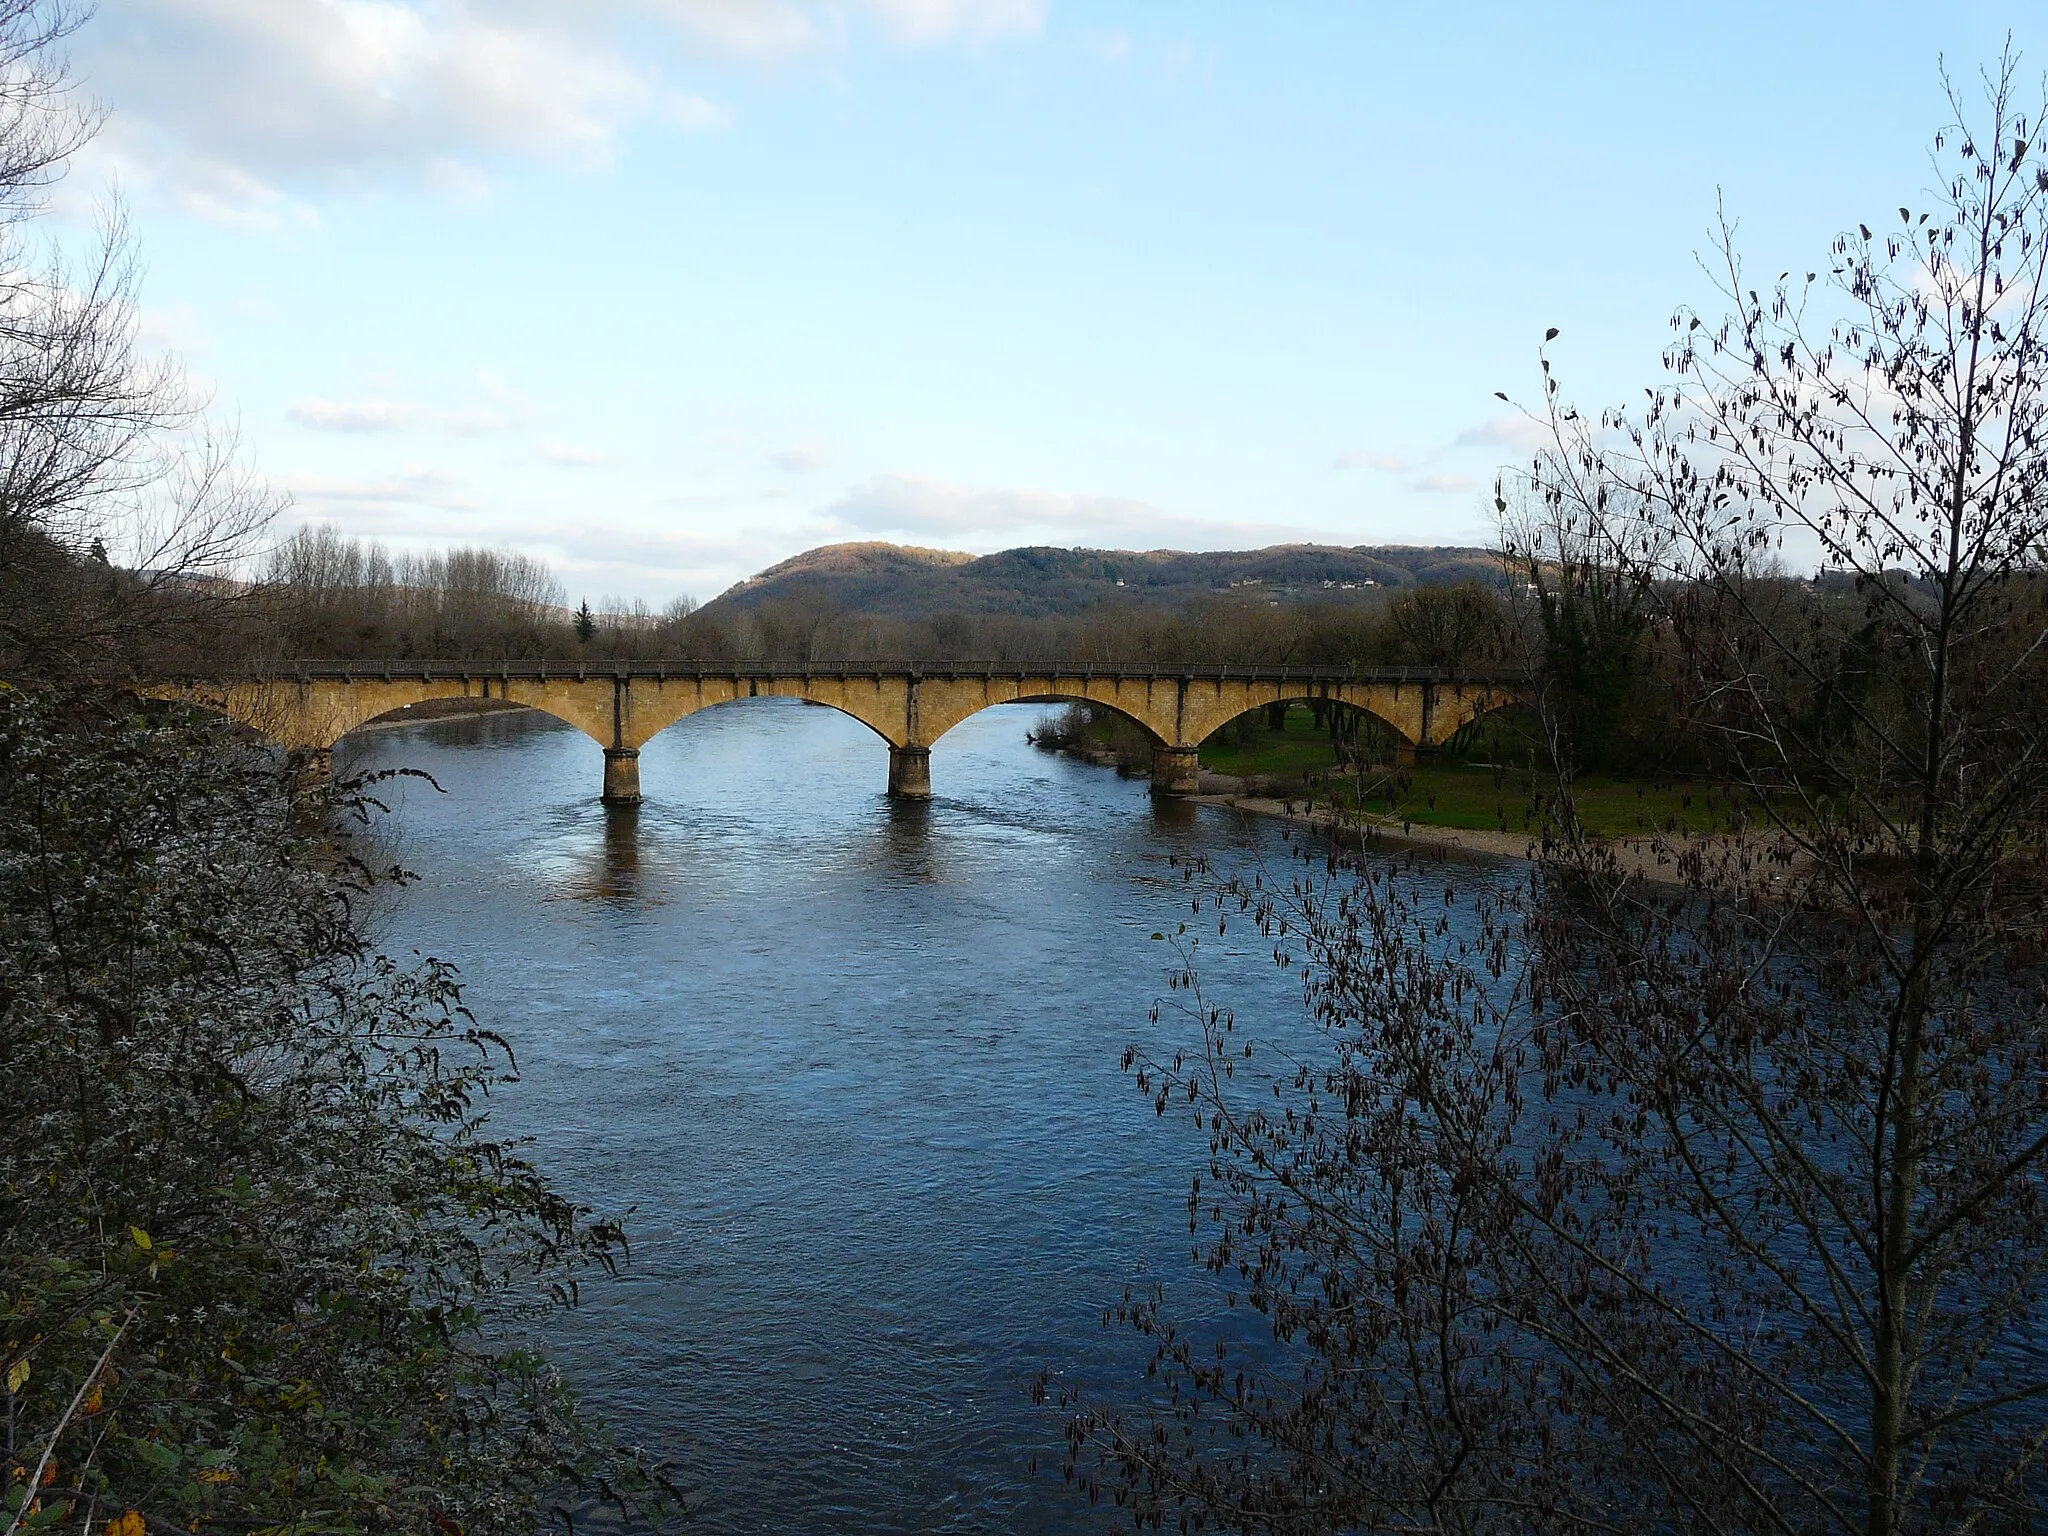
{"x":854,"y":1067}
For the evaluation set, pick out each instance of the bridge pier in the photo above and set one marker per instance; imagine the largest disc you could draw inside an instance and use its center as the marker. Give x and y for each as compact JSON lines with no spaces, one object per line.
{"x":621,"y":776}
{"x":1176,"y":771}
{"x":910,"y":773}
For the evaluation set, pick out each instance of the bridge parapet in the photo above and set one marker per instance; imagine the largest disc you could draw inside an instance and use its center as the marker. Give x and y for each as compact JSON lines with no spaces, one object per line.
{"x":310,"y":705}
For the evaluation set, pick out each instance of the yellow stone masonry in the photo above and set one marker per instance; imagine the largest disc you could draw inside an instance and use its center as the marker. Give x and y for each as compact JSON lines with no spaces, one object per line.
{"x":622,"y":706}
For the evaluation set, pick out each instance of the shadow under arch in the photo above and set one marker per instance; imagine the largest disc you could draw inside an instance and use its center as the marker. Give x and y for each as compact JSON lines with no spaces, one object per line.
{"x":1381,"y":733}
{"x":1456,"y":711}
{"x":1468,"y":717}
{"x":471,"y":707}
{"x":313,"y":714}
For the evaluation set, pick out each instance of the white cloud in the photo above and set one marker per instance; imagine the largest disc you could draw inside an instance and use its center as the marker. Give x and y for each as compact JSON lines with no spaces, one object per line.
{"x":694,"y":114}
{"x":800,"y":458}
{"x":565,"y":453}
{"x":928,"y":22}
{"x":1385,"y":463}
{"x":1441,"y":484}
{"x":1511,"y":429}
{"x":176,"y":328}
{"x":379,"y":415}
{"x":224,"y":104}
{"x":766,"y":30}
{"x":776,"y":30}
{"x":413,"y":486}
{"x":922,"y":508}
{"x":647,"y":563}
{"x":356,"y":416}
{"x":232,"y":110}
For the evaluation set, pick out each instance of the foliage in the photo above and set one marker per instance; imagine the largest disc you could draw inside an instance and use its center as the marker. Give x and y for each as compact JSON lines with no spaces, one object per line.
{"x":1066,"y":730}
{"x":1713,"y":1201}
{"x":262,"y":1263}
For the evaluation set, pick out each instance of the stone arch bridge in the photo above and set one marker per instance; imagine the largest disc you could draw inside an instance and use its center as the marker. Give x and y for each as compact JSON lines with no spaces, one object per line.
{"x":308,"y":706}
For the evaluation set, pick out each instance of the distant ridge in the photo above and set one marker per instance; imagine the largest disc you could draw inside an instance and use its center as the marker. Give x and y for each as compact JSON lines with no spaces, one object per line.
{"x":903,"y":581}
{"x":867,"y":558}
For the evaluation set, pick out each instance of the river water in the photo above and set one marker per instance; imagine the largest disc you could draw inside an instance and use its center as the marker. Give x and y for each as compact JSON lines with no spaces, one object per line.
{"x":854,"y":1066}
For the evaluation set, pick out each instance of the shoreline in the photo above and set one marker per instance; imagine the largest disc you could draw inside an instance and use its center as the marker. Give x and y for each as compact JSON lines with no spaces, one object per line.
{"x":1634,"y":857}
{"x":1466,"y":842}
{"x":1637,"y":857}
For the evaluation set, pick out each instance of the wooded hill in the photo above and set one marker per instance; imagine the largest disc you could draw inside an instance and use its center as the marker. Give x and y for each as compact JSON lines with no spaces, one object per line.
{"x":900,"y":581}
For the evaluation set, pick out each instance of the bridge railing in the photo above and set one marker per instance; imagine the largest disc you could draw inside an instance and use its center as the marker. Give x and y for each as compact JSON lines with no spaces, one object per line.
{"x":413,"y":669}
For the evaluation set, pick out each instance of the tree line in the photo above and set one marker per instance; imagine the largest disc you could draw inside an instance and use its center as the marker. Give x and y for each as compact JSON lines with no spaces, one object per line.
{"x":322,"y":594}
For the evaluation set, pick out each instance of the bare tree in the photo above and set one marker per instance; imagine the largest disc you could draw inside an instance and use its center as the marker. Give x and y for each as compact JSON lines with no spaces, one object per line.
{"x":119,"y":510}
{"x":1700,"y":1189}
{"x":1456,"y":628}
{"x":323,"y":594}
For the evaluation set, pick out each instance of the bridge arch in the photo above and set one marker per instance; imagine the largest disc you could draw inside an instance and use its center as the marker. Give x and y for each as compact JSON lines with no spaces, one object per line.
{"x":710,"y":704}
{"x":1419,"y":717}
{"x":402,"y":714}
{"x":1150,"y":731}
{"x":1459,"y":704}
{"x":1151,"y":703}
{"x":1401,"y":706}
{"x":1373,"y":730}
{"x":313,"y":715}
{"x":1396,"y":728}
{"x":308,"y":706}
{"x":657,"y":704}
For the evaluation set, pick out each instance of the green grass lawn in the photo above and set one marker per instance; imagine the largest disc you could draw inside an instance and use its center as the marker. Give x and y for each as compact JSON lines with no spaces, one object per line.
{"x":1467,"y":795}
{"x":1300,"y":749}
{"x":1448,"y":793}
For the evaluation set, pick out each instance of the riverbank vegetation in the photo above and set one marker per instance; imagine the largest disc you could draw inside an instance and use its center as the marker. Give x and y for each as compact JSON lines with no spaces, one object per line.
{"x":1338,"y":761}
{"x":1710,"y":1201}
{"x":262,"y":1262}
{"x":264,"y":1265}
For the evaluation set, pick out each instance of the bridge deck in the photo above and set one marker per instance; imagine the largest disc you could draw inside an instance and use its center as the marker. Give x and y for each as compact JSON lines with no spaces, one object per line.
{"x":422,"y":670}
{"x":308,"y":705}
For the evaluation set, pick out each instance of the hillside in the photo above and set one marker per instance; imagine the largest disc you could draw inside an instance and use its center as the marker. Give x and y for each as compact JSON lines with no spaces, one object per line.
{"x":896,"y":581}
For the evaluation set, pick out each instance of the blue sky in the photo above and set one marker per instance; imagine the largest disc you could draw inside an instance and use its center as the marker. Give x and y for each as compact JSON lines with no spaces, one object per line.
{"x":667,"y":290}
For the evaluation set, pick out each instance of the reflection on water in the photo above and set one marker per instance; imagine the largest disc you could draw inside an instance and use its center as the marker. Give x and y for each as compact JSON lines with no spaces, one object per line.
{"x":619,"y":880}
{"x":855,"y":1067}
{"x":906,"y":839}
{"x":1176,"y":815}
